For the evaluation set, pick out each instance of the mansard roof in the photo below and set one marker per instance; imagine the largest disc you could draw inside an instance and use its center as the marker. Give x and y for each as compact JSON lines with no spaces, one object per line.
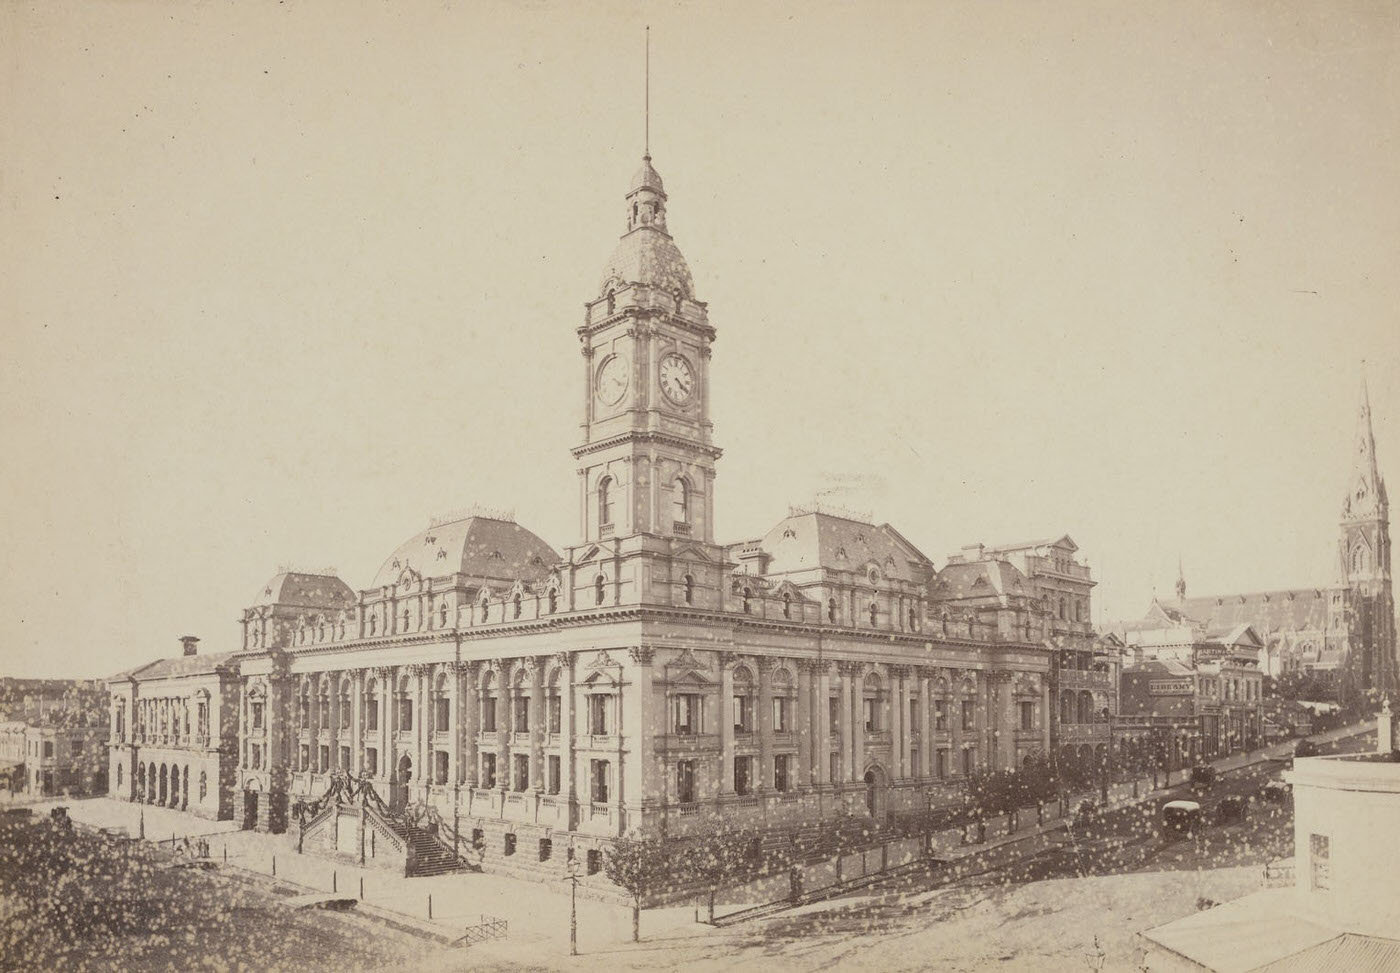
{"x":814,"y":539}
{"x":299,"y":589}
{"x":485,"y":548}
{"x":1064,"y":542}
{"x":978,"y":579}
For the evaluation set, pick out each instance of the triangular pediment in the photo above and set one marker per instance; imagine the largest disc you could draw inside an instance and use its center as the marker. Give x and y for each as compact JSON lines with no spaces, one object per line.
{"x":602,"y":660}
{"x":686,"y":660}
{"x":692,"y":554}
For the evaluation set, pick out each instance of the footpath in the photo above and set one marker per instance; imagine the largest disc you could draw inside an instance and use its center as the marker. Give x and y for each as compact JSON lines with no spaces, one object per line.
{"x":959,"y":848}
{"x":443,"y":907}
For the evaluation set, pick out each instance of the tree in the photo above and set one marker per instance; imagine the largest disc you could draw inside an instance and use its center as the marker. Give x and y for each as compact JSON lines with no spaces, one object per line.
{"x":640,"y":866}
{"x":718,"y":858}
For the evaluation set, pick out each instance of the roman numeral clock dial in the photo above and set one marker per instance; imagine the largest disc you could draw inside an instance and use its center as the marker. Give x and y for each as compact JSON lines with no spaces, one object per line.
{"x":677,"y":379}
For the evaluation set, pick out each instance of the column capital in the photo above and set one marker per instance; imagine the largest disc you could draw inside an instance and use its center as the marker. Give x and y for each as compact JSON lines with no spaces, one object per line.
{"x":812,"y":665}
{"x":642,"y":654}
{"x":764,"y":663}
{"x":727,"y":659}
{"x":565,"y":660}
{"x":849,"y":668}
{"x":903,"y":671}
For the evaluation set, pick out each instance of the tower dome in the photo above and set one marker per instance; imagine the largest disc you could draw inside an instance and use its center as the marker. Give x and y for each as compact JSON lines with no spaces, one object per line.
{"x":646,"y":254}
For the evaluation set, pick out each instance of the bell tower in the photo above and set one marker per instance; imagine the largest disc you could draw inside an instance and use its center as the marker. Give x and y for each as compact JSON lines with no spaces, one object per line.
{"x":1364,"y":554}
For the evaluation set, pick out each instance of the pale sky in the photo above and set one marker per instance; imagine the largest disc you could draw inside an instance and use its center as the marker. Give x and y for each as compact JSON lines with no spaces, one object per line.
{"x":280,"y":281}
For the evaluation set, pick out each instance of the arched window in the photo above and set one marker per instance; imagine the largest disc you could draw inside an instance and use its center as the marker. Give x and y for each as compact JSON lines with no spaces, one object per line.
{"x":515,"y":605}
{"x":748,"y":593}
{"x":373,"y":623}
{"x":831,"y":610}
{"x":598,"y":588}
{"x":203,"y":785}
{"x":405,"y":619}
{"x":119,"y":775}
{"x":913,"y":619}
{"x":1064,"y":608}
{"x":787,"y":605}
{"x":680,"y":501}
{"x":689,"y":590}
{"x":605,"y":511}
{"x":874,"y":614}
{"x":612,"y":297}
{"x":442,"y":615}
{"x":553,"y":600}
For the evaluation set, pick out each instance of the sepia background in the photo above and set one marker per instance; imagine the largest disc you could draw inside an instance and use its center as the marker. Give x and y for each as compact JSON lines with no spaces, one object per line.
{"x":282,"y":280}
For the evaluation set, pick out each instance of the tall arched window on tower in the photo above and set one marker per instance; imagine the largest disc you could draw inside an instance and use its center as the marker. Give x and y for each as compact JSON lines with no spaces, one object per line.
{"x":598,"y":589}
{"x":874,"y":614}
{"x":605,"y":511}
{"x":689,"y":590}
{"x":680,"y":501}
{"x":612,"y":302}
{"x":1064,"y":609}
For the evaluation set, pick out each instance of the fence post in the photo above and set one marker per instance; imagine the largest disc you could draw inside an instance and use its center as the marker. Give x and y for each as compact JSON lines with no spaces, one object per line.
{"x":362,"y":888}
{"x":430,"y":905}
{"x":225,"y":852}
{"x":334,"y":882}
{"x":274,"y":866}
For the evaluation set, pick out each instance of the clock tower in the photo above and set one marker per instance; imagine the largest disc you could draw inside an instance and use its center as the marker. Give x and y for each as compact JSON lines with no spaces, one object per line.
{"x":646,"y":462}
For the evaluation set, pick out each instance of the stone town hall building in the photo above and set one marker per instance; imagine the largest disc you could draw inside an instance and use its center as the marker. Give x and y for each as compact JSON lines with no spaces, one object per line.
{"x":645,"y":675}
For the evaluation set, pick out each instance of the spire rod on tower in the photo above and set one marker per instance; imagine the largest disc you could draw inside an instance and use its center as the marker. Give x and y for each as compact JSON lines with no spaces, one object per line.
{"x":646,"y":139}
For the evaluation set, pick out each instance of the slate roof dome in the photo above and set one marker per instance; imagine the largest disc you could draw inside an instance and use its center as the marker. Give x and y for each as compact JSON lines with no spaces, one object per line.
{"x":648,"y":256}
{"x":479,"y":547}
{"x":300,"y":589}
{"x":646,"y":178}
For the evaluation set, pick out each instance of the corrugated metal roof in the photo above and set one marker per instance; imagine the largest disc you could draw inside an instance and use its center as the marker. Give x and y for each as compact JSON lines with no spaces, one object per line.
{"x":1348,"y":953}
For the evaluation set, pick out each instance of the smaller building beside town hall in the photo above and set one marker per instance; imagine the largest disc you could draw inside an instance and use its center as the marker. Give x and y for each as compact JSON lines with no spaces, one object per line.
{"x":646,"y":678}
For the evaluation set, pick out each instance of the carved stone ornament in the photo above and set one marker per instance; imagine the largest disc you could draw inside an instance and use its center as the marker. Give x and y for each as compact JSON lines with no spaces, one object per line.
{"x":642,"y":654}
{"x":686,"y":660}
{"x":602,"y":660}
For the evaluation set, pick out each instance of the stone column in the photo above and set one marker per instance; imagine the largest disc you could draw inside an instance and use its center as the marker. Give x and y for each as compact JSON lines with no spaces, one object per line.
{"x":823,"y":719}
{"x":899,"y":729}
{"x":726,"y":723}
{"x":1047,"y":713}
{"x":854,"y":739}
{"x":357,"y":724}
{"x":639,"y":779}
{"x":538,"y":720}
{"x":954,"y":702}
{"x":466,"y":725}
{"x":505,"y":695}
{"x":566,"y":732}
{"x":389,"y":681}
{"x":926,"y":747}
{"x":763,"y":780}
{"x":807,"y":733}
{"x":333,"y":698}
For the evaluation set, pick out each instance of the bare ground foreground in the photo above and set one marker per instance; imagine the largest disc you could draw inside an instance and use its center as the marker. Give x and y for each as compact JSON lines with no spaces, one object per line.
{"x":72,"y":900}
{"x":76,"y":909}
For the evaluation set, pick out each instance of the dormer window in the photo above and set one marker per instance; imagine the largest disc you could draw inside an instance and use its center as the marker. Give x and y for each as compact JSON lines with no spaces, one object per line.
{"x":787,"y":605}
{"x":612,"y":300}
{"x":553,"y":601}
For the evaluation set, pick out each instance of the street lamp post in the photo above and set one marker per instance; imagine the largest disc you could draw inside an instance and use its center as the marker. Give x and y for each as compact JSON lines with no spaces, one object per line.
{"x":571,"y":875}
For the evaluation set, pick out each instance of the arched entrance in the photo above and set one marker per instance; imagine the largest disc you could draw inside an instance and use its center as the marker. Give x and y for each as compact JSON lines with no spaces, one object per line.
{"x":164,"y":793}
{"x":250,"y":809}
{"x":399,"y":788}
{"x":876,"y":798}
{"x":174,"y":785}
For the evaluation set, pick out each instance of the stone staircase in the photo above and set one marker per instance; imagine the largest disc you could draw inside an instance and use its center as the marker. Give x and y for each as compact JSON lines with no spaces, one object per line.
{"x":430,"y":855}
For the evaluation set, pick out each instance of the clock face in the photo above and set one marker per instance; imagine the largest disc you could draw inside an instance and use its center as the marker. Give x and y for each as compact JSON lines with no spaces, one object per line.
{"x":677,"y":380}
{"x":612,"y":380}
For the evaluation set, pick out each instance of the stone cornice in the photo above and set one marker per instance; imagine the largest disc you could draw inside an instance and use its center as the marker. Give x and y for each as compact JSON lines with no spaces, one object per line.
{"x":647,"y":436}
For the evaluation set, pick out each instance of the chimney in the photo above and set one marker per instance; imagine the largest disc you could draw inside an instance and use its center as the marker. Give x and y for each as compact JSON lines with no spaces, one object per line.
{"x":190,"y":644}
